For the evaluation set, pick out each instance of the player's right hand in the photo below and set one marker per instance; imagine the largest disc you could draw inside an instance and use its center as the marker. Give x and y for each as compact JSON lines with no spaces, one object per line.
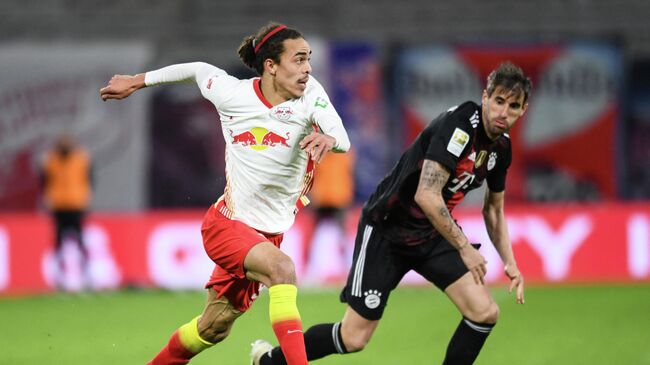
{"x":317,"y":145}
{"x":516,"y":281}
{"x":121,"y":86}
{"x":475,"y":263}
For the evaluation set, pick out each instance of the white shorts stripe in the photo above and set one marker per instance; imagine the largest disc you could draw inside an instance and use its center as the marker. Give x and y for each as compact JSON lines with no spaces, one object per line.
{"x":358,"y":270}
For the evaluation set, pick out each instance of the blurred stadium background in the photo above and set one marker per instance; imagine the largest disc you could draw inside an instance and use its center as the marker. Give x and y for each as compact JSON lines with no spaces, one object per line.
{"x":578,"y":192}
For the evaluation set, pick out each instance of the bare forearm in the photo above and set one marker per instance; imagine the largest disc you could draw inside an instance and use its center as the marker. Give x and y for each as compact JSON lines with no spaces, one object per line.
{"x":443,"y":222}
{"x":497,"y":229}
{"x":429,"y":198}
{"x":137,"y":82}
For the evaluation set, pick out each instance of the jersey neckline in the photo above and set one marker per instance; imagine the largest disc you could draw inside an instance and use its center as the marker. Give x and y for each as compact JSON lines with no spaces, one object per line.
{"x":258,"y":91}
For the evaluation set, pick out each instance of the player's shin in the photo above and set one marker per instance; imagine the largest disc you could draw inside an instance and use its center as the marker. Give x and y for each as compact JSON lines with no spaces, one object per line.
{"x":286,"y":323}
{"x":183,"y":344}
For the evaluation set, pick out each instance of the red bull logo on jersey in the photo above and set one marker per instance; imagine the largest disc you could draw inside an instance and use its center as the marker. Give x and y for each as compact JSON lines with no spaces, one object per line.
{"x":245,"y":139}
{"x":259,"y":139}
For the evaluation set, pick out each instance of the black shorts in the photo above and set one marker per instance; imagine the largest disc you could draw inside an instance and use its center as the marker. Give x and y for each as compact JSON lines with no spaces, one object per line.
{"x":379,"y":265}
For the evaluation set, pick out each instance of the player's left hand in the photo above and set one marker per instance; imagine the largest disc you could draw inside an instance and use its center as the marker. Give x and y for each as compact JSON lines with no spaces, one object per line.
{"x":317,"y":144}
{"x":516,"y":281}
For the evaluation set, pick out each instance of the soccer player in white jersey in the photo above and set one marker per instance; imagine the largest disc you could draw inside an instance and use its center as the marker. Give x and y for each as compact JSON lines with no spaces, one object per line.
{"x":276,"y":127}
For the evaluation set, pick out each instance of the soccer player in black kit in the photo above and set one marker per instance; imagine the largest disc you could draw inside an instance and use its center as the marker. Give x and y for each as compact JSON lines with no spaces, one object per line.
{"x":407,"y":225}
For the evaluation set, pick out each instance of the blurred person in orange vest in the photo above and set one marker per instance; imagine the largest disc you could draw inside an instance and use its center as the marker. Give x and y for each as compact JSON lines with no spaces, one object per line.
{"x":332,"y":194}
{"x":333,"y":189}
{"x":67,"y":189}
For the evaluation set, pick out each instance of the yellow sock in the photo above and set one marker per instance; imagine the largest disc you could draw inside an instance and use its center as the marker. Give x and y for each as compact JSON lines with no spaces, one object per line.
{"x":282,"y":305}
{"x":190,"y":338}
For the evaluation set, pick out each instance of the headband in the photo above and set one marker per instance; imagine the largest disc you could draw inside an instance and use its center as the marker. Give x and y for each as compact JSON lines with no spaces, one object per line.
{"x":266,"y":37}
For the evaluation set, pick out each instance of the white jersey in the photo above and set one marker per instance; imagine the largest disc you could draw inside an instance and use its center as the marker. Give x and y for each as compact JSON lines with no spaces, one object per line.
{"x":266,"y":171}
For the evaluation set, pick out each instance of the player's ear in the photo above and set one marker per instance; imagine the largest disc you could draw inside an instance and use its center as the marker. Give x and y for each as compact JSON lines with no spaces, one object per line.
{"x":484,"y":97}
{"x":270,"y":66}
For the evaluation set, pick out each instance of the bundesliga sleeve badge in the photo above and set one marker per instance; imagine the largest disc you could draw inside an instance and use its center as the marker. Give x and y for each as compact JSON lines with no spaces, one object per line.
{"x":458,"y":142}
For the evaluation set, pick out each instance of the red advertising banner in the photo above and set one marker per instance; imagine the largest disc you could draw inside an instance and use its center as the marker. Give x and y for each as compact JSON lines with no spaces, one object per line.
{"x":553,"y":244}
{"x":574,"y":106}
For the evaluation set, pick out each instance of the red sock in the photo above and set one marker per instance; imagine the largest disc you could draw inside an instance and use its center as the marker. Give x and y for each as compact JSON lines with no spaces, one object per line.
{"x":174,"y":353}
{"x":286,"y":323}
{"x":292,"y":341}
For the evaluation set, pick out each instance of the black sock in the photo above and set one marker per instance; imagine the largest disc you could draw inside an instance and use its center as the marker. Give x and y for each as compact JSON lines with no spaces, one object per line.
{"x":467,"y":342}
{"x":320,"y":340}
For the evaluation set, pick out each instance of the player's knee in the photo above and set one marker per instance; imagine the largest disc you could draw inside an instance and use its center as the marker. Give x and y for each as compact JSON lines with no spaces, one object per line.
{"x":493,"y":314}
{"x":283,"y":271}
{"x":487,"y":314}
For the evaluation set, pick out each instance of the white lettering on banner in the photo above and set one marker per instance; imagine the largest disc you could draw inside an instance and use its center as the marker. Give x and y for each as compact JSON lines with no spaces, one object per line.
{"x":554,"y":248}
{"x":176,"y":258}
{"x":4,"y":259}
{"x":102,"y":272}
{"x":638,"y":242}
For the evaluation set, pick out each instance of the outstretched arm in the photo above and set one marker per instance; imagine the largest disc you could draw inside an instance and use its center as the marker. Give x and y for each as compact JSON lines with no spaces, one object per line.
{"x":428,"y":196}
{"x":121,"y":86}
{"x":495,"y":223}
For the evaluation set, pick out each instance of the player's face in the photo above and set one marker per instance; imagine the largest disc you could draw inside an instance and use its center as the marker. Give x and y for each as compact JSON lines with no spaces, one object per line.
{"x":501,"y":110}
{"x":292,"y":73}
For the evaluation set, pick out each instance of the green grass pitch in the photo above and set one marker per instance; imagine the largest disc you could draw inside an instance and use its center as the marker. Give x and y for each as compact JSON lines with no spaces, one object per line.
{"x":558,"y":325}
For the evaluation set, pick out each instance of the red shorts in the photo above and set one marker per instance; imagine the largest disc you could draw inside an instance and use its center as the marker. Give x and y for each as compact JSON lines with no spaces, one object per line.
{"x":227,"y":242}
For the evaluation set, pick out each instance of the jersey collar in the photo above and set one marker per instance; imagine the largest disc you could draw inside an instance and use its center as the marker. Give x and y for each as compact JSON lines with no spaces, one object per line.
{"x":258,"y":90}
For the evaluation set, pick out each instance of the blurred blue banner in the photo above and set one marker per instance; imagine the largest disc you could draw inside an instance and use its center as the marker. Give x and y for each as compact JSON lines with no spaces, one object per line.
{"x":356,"y":90}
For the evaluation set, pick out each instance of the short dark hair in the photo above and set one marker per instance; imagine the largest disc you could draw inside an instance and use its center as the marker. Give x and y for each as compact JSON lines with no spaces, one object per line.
{"x":271,"y":48}
{"x":510,"y":77}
